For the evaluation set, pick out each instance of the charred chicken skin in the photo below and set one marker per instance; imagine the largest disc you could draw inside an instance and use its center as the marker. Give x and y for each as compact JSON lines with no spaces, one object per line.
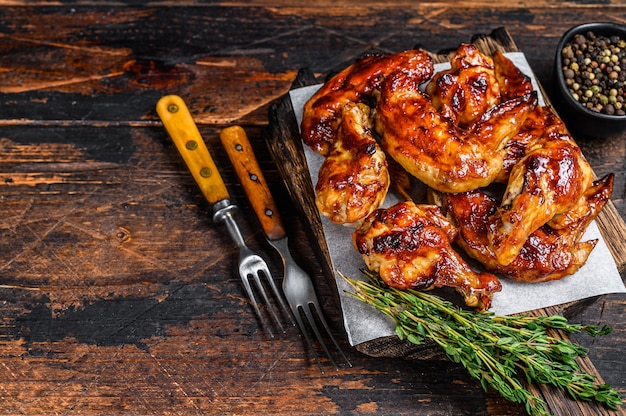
{"x":548,"y":253}
{"x":436,"y":151}
{"x":356,"y":83}
{"x":353,"y":180}
{"x":409,"y":246}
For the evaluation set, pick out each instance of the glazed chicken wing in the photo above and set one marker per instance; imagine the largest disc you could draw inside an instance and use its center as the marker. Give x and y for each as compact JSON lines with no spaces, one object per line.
{"x":468,"y":89}
{"x":514,"y":84}
{"x":355,"y":83}
{"x":536,"y":124}
{"x":549,"y":180}
{"x":511,"y":81}
{"x":431,"y":148}
{"x":353,"y":180}
{"x":409,"y":246}
{"x":548,"y":253}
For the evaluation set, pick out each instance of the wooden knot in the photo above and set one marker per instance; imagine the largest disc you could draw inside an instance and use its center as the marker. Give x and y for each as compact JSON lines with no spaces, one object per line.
{"x":122,"y":234}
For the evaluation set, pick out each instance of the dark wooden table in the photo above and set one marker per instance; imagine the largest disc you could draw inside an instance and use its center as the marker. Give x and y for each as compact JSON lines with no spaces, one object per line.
{"x":117,"y":292}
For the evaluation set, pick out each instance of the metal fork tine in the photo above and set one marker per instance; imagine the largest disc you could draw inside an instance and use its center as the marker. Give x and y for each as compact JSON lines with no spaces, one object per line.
{"x":305,"y":333}
{"x":277,"y":295}
{"x":318,"y":310}
{"x":269,"y":306}
{"x":255,"y":304}
{"x":307,"y":311}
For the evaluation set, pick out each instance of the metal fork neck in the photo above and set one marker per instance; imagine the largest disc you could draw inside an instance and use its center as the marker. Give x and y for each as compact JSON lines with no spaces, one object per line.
{"x":224,"y":211}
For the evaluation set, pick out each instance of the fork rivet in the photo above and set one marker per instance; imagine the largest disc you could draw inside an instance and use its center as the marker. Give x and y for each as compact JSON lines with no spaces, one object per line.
{"x":269,"y":212}
{"x":191,"y":145}
{"x":205,"y":172}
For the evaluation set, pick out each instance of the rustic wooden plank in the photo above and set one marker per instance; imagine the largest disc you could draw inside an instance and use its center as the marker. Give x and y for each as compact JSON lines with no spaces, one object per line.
{"x":197,"y":69}
{"x":325,"y":4}
{"x":116,"y":290}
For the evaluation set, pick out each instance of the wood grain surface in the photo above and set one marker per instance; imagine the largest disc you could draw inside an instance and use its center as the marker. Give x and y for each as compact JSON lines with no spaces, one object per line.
{"x":117,"y":292}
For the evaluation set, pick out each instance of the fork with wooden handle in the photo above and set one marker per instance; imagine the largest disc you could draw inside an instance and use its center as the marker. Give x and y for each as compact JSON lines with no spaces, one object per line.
{"x":185,"y":135}
{"x":297,"y":284}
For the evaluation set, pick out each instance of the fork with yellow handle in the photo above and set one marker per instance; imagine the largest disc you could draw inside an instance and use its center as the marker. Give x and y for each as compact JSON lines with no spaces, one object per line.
{"x":186,"y":137}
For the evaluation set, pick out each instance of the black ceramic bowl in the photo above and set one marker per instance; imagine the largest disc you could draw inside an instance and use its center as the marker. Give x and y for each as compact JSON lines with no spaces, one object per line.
{"x":579,"y":119}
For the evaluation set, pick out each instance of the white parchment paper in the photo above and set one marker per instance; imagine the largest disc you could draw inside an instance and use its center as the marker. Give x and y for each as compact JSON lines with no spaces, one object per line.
{"x":597,"y":277}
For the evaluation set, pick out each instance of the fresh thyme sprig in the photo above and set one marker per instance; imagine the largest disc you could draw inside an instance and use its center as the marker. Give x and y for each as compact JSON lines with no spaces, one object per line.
{"x":502,"y":352}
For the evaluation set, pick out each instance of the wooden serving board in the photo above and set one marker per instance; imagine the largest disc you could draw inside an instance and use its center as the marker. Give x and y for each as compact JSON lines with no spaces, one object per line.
{"x":285,"y":145}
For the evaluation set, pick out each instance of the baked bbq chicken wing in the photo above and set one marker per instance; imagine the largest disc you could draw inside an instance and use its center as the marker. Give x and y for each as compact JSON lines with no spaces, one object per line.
{"x":356,"y":83}
{"x":409,"y":246}
{"x":468,"y":89}
{"x":536,"y":124}
{"x":353,"y":180}
{"x":433,"y":149}
{"x":544,"y":170}
{"x":549,"y":180}
{"x":548,"y":253}
{"x":512,"y":83}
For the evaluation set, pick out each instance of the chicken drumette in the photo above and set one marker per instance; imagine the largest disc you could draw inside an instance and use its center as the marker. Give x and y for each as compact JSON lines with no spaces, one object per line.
{"x":409,"y":246}
{"x":353,"y":180}
{"x":468,"y":89}
{"x":548,"y":180}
